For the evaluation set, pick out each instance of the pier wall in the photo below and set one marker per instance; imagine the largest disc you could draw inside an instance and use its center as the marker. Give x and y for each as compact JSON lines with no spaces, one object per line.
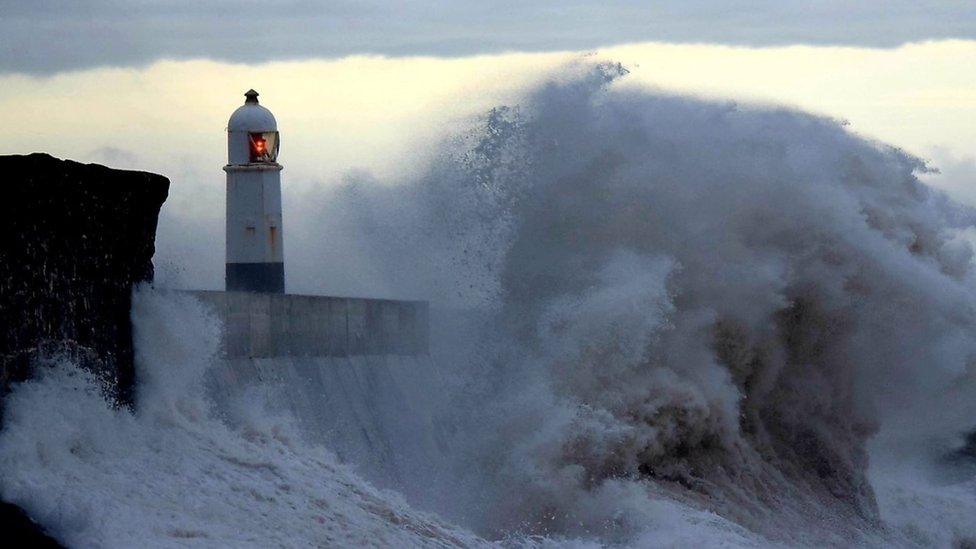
{"x":374,"y":412}
{"x":267,"y":325}
{"x":355,"y":373}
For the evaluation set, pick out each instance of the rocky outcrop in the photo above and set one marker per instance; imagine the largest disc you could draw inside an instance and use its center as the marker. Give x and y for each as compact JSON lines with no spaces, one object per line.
{"x":18,"y":530}
{"x":74,"y":238}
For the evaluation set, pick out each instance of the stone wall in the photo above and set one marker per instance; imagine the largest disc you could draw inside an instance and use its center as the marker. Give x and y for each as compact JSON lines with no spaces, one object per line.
{"x":266,"y":325}
{"x":374,"y":412}
{"x":74,"y":238}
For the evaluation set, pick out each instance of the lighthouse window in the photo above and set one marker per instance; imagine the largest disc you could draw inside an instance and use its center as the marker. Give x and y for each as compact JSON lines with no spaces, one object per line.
{"x":264,"y":146}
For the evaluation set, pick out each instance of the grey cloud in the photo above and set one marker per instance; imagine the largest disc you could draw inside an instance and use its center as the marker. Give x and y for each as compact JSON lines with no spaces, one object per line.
{"x":46,"y":36}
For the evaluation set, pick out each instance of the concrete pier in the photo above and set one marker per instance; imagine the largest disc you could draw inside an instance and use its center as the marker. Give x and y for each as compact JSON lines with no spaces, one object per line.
{"x":267,"y":325}
{"x":374,"y":412}
{"x":355,"y":373}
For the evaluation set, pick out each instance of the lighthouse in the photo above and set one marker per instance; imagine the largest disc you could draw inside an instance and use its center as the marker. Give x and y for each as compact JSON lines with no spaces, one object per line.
{"x":260,"y":320}
{"x":255,"y":257}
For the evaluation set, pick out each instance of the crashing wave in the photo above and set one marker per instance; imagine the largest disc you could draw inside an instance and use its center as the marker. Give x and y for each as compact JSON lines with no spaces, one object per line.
{"x":680,"y":300}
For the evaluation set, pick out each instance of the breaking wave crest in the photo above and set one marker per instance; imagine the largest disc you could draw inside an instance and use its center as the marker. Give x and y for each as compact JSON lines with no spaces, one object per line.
{"x":682,"y":303}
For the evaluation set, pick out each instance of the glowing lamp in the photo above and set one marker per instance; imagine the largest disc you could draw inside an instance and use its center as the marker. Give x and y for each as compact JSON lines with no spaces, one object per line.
{"x":264,"y":146}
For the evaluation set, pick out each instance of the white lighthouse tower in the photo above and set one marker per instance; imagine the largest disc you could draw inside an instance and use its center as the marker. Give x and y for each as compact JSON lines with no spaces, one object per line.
{"x":255,"y":258}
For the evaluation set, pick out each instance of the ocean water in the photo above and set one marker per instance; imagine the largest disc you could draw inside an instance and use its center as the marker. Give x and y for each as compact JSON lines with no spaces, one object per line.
{"x":173,"y":474}
{"x":656,"y":321}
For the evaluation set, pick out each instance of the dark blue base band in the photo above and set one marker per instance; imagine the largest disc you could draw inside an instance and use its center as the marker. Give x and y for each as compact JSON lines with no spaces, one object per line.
{"x":256,"y":277}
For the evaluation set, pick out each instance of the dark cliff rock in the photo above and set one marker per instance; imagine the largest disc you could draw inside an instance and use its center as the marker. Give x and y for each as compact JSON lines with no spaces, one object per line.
{"x":74,"y":238}
{"x":18,"y":530}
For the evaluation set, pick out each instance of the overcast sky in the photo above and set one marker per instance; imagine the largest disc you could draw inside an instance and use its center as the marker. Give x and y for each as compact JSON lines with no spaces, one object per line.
{"x":48,"y":36}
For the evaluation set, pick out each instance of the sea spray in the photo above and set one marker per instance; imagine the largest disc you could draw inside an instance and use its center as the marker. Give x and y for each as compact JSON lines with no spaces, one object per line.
{"x":667,"y":300}
{"x":171,"y":474}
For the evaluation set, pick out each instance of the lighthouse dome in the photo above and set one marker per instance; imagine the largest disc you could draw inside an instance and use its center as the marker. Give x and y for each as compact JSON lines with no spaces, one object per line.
{"x":252,"y":117}
{"x":252,"y":135}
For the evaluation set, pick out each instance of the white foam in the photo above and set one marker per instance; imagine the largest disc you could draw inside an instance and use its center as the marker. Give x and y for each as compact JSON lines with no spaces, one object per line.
{"x":715,"y":305}
{"x":172,"y":475}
